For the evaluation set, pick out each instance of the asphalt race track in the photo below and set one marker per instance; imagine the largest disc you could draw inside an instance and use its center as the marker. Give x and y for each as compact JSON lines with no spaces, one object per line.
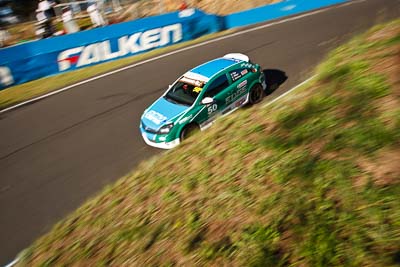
{"x":57,"y":152}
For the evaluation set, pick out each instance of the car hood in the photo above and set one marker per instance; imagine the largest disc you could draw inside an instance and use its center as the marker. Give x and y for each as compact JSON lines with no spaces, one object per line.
{"x":160,"y":112}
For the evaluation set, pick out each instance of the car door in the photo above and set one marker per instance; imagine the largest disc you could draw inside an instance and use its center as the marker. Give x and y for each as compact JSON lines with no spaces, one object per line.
{"x":238,"y":95}
{"x":219,"y":89}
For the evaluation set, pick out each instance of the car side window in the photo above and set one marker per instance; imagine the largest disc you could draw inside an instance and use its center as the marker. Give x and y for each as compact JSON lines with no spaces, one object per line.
{"x":238,"y":73}
{"x":217,"y":86}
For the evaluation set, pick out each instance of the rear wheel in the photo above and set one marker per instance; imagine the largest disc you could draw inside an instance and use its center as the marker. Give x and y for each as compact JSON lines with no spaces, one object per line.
{"x":189,"y":131}
{"x":256,"y":94}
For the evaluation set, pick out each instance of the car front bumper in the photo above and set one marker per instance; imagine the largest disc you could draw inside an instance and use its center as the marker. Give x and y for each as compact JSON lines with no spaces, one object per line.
{"x":155,"y":140}
{"x":163,"y":145}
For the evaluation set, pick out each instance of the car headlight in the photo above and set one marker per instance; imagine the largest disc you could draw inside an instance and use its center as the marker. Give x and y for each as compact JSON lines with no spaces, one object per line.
{"x":166,"y":128}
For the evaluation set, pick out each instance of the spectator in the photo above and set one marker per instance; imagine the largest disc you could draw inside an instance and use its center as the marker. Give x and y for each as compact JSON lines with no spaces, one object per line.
{"x":116,"y":5}
{"x":47,"y":7}
{"x":95,"y":16}
{"x":44,"y":28}
{"x":4,"y":36}
{"x":70,"y":25}
{"x":40,"y":16}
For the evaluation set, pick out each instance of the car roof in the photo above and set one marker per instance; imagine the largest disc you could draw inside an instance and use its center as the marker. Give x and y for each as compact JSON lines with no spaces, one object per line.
{"x":207,"y":70}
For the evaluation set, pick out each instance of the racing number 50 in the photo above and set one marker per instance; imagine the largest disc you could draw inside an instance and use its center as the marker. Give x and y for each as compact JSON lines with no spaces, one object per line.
{"x":6,"y":77}
{"x":212,"y":108}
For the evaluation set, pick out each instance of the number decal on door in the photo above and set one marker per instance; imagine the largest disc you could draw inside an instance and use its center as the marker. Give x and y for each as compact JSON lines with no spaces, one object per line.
{"x":212,"y":108}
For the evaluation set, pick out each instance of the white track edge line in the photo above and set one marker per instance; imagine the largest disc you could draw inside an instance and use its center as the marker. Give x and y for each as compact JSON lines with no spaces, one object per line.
{"x":176,"y":52}
{"x":290,"y":91}
{"x":11,"y":264}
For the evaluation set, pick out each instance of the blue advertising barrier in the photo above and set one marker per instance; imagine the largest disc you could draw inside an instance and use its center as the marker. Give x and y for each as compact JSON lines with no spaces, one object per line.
{"x":275,"y":11}
{"x":37,"y":59}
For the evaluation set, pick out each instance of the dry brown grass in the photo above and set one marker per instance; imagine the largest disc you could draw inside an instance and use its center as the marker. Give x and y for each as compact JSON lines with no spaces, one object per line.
{"x":221,"y":7}
{"x":301,"y":185}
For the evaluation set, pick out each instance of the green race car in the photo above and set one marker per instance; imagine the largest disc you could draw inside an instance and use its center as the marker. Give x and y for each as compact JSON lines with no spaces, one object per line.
{"x":199,"y":96}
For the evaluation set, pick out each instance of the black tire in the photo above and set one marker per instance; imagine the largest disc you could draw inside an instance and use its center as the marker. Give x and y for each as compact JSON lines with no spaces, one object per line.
{"x":188,"y":131}
{"x":256,"y":94}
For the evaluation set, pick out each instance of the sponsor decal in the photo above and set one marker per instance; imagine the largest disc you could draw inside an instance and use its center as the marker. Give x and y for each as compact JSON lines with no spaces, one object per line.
{"x":244,"y":72}
{"x":247,"y":65}
{"x":240,"y":102}
{"x":126,"y":45}
{"x":242,"y":84}
{"x":185,"y":119}
{"x":241,"y":90}
{"x":235,"y":75}
{"x":155,"y":117}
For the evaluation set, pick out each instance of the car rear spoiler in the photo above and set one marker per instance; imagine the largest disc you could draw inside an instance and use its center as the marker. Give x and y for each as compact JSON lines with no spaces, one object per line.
{"x":238,"y":56}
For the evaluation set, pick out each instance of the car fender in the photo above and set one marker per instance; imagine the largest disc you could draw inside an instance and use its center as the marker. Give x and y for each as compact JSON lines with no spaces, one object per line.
{"x":252,"y":84}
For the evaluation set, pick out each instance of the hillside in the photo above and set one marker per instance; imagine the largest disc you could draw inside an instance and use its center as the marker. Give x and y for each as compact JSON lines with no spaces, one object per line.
{"x":312,"y":180}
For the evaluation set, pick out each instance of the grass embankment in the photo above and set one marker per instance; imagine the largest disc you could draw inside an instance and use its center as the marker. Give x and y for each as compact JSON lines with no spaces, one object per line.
{"x":313,"y":180}
{"x":23,"y":92}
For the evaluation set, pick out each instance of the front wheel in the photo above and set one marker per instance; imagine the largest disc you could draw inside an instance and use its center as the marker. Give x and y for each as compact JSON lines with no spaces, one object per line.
{"x":256,"y":94}
{"x":189,"y":131}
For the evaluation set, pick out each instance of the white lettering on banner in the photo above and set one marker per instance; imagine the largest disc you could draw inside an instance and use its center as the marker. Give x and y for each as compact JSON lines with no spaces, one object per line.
{"x":107,"y":51}
{"x":64,"y":58}
{"x":6,"y":77}
{"x":149,"y":39}
{"x":175,"y":29}
{"x":131,"y":44}
{"x":90,"y":55}
{"x":128,"y":44}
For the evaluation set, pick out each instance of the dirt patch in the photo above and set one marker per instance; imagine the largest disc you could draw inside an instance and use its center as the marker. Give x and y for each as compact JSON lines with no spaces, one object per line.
{"x":384,"y":33}
{"x":390,"y":65}
{"x":384,"y":169}
{"x":315,"y":148}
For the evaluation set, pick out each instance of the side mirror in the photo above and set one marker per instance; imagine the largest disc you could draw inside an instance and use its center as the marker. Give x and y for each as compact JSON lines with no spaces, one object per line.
{"x":207,"y":101}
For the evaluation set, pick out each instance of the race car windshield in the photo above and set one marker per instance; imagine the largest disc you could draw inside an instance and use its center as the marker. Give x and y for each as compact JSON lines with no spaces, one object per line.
{"x":184,"y":92}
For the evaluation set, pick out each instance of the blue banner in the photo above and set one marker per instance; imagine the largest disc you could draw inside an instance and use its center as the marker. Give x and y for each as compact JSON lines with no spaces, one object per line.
{"x":37,"y":59}
{"x":275,"y":11}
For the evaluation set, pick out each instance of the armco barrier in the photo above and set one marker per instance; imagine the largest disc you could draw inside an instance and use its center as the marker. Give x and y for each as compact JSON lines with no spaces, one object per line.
{"x":275,"y":11}
{"x":37,"y":59}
